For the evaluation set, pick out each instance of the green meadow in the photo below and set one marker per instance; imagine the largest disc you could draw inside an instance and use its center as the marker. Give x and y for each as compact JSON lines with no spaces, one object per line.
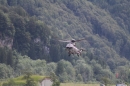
{"x":20,"y":80}
{"x":78,"y":84}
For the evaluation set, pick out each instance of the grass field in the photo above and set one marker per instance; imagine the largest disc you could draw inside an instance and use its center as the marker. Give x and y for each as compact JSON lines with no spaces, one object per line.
{"x":20,"y":80}
{"x":34,"y":77}
{"x":76,"y":84}
{"x":80,"y":84}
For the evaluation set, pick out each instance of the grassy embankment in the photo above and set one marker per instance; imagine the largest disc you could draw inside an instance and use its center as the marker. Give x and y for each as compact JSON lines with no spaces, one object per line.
{"x":20,"y":80}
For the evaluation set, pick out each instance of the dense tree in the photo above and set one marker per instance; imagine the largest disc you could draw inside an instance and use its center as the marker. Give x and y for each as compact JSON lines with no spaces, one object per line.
{"x":31,"y":27}
{"x":5,"y":71}
{"x":29,"y":80}
{"x":3,"y":2}
{"x":65,"y":71}
{"x":51,"y":67}
{"x":123,"y":73}
{"x":6,"y":56}
{"x":6,"y":27}
{"x":85,"y":70}
{"x":55,"y":79}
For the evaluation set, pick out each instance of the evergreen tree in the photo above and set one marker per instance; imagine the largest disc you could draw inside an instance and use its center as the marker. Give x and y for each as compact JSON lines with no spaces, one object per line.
{"x":29,"y":80}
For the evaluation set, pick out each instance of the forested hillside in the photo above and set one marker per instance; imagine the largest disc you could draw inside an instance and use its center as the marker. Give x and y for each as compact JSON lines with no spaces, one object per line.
{"x":29,"y":30}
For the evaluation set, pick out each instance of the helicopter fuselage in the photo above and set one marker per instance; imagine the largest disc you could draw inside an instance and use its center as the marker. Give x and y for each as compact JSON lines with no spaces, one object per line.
{"x":72,"y":49}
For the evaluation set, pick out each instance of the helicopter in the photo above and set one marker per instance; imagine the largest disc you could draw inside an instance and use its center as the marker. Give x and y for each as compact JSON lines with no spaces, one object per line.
{"x":71,"y":47}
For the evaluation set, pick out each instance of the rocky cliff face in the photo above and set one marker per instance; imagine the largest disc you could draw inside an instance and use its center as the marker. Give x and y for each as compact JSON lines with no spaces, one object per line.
{"x":6,"y":42}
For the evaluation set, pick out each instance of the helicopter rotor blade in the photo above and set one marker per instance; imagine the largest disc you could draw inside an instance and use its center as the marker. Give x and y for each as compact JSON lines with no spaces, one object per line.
{"x":79,"y":40}
{"x":64,"y":41}
{"x":70,"y":40}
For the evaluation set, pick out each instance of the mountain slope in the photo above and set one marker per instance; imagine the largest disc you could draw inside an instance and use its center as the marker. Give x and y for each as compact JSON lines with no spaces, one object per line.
{"x":83,"y":19}
{"x":99,"y":22}
{"x":104,"y":26}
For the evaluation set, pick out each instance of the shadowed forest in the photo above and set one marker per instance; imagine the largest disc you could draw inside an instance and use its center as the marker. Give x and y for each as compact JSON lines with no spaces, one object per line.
{"x":30,"y":30}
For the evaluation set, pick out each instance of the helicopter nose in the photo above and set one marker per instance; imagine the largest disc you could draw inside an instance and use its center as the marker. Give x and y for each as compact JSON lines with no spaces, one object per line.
{"x":73,"y":40}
